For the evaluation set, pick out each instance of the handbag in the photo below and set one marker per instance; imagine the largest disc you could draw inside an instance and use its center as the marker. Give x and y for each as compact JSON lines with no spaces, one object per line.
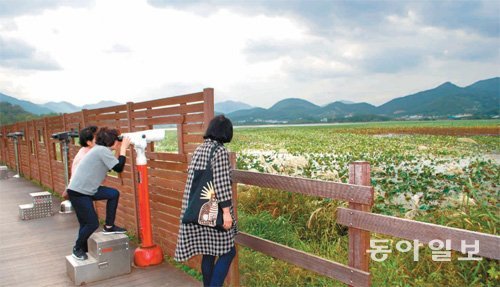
{"x":203,"y":208}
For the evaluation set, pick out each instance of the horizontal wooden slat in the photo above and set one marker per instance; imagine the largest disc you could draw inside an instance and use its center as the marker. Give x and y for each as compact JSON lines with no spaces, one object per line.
{"x":195,"y":97}
{"x":189,"y":148}
{"x":307,"y":261}
{"x":193,"y":128}
{"x":489,"y":245}
{"x":119,"y":108}
{"x":177,"y":166}
{"x":175,"y":110}
{"x":194,"y":118}
{"x":114,"y":116}
{"x":328,"y":189}
{"x":169,"y":184}
{"x":158,"y":121}
{"x":168,"y":174}
{"x":166,"y":156}
{"x":193,"y":138}
{"x":176,"y":202}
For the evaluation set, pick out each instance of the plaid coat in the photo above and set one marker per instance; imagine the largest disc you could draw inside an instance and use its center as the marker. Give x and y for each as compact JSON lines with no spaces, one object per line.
{"x":195,"y":239}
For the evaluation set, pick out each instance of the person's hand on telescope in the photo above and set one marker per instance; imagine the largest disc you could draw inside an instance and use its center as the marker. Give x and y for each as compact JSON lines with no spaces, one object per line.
{"x":124,"y":146}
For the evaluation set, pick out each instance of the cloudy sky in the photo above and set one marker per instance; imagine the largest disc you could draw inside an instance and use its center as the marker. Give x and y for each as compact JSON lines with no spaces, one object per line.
{"x":253,"y":51}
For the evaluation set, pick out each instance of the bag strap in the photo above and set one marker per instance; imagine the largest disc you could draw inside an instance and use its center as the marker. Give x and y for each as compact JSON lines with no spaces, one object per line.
{"x":212,"y":151}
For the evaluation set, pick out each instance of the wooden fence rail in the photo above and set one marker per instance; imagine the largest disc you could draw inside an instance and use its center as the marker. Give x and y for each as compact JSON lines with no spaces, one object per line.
{"x":360,"y":222}
{"x":307,"y":261}
{"x":489,"y":245}
{"x":358,"y":192}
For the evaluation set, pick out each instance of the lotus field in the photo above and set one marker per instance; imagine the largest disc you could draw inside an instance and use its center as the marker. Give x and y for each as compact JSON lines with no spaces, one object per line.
{"x":442,"y":172}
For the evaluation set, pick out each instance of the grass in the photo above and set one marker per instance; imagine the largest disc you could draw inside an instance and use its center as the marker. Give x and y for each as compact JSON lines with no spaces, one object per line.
{"x":456,"y":187}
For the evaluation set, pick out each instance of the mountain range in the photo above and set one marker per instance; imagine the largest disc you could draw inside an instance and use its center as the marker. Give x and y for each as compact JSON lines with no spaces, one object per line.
{"x":481,"y":99}
{"x":53,"y":107}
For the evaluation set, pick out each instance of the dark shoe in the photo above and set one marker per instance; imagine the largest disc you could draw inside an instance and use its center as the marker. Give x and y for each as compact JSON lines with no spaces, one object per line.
{"x":79,"y":254}
{"x":113,"y":230}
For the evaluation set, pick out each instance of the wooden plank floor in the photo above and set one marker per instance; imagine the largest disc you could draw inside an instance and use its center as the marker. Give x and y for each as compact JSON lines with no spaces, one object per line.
{"x":32,"y":252}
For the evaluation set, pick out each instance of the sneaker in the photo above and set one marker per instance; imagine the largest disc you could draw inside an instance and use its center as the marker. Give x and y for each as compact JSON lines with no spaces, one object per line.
{"x":113,"y":230}
{"x":79,"y":254}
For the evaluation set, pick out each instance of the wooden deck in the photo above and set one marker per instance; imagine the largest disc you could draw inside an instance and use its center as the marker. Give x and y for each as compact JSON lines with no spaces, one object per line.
{"x":32,"y":252}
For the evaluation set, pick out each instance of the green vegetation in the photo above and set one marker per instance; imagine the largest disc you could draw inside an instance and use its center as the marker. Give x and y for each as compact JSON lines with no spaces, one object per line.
{"x":447,"y":180}
{"x":442,"y":179}
{"x":10,"y":114}
{"x":13,"y":113}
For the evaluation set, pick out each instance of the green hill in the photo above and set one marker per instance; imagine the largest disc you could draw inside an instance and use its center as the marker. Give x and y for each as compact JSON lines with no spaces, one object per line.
{"x":13,"y":113}
{"x":447,"y":99}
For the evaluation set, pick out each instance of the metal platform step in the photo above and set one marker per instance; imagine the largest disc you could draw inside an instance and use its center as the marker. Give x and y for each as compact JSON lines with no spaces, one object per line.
{"x":3,"y":172}
{"x":109,"y":256}
{"x":41,"y":206}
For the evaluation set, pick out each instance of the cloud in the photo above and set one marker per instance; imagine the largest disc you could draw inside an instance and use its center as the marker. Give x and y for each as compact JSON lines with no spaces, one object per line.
{"x":255,"y":51}
{"x":394,"y":60}
{"x":323,"y":16}
{"x":11,"y":8}
{"x":20,"y":55}
{"x":118,"y":48}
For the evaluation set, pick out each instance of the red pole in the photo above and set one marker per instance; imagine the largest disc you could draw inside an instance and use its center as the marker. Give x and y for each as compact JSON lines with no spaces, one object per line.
{"x":148,"y":253}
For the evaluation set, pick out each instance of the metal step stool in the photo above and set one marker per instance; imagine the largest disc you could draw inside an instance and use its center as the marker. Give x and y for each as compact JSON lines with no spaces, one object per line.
{"x":41,"y":206}
{"x":109,"y":256}
{"x":3,"y":172}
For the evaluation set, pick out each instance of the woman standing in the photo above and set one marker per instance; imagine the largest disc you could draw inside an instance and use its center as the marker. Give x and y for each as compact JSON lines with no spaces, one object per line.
{"x":85,"y":187}
{"x":196,"y":239}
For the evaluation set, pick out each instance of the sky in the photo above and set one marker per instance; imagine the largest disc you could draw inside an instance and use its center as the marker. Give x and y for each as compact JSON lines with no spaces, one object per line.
{"x":257,"y":52}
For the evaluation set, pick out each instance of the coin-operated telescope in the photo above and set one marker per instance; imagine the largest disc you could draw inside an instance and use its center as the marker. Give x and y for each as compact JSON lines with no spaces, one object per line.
{"x":64,"y":138}
{"x":148,"y":253}
{"x":140,"y":141}
{"x":15,"y":136}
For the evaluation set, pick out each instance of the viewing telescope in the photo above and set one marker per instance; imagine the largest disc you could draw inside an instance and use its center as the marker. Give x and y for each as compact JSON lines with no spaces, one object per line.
{"x":64,"y":136}
{"x":141,"y":139}
{"x":147,"y":253}
{"x":15,"y":136}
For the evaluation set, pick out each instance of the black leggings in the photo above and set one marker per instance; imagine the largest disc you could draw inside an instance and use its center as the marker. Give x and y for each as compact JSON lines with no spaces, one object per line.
{"x":214,"y":274}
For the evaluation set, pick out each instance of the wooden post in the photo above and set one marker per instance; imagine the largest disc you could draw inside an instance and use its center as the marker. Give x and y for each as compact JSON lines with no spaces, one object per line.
{"x":37,"y":150}
{"x":359,"y":240}
{"x":28,"y":149}
{"x":234,"y":273}
{"x":133,"y":172}
{"x":208,"y":107}
{"x":84,"y":118}
{"x":180,"y":134}
{"x":48,"y":145}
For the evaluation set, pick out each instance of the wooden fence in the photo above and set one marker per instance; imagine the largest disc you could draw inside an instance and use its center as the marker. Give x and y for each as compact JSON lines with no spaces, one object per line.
{"x":40,"y":161}
{"x":360,"y":221}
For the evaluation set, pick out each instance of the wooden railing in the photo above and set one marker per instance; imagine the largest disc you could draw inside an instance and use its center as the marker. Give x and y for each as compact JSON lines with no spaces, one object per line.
{"x":358,"y":193}
{"x":360,"y":221}
{"x":190,"y":113}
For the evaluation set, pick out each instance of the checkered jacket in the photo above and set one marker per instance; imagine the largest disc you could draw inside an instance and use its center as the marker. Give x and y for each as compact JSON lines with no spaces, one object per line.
{"x":195,"y":239}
